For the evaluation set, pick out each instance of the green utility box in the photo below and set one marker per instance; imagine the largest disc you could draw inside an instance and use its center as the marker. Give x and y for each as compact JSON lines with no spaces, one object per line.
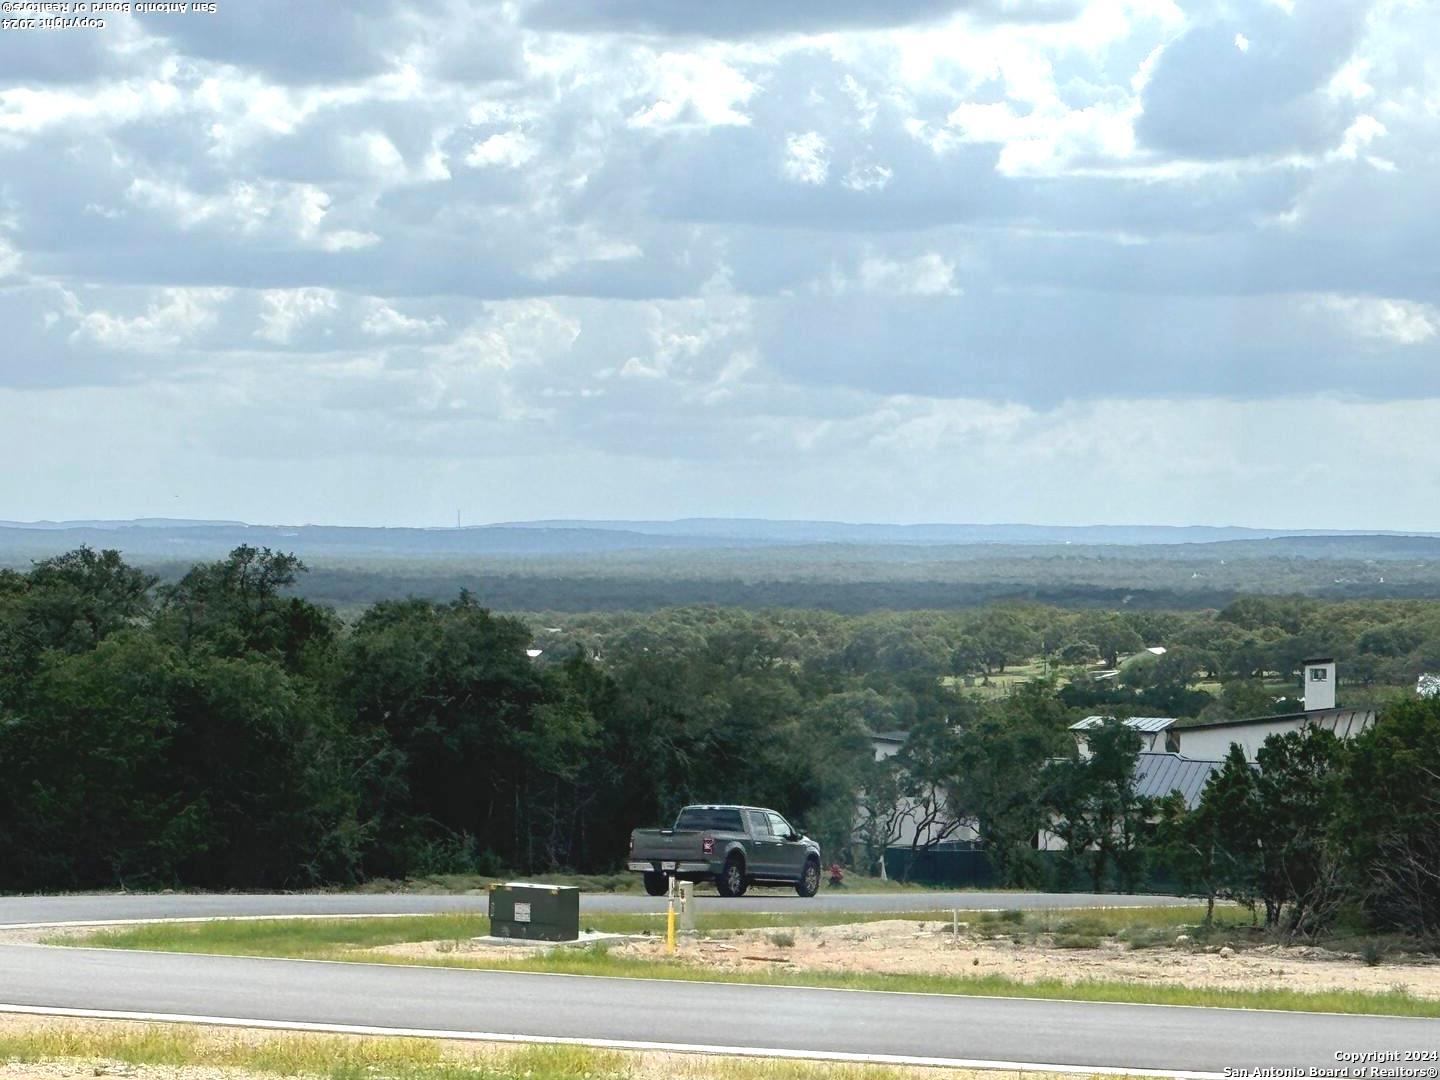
{"x":535,"y":912}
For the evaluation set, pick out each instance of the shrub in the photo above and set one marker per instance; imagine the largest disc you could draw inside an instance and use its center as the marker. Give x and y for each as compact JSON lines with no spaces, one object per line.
{"x":1084,"y":925}
{"x":1077,"y":941}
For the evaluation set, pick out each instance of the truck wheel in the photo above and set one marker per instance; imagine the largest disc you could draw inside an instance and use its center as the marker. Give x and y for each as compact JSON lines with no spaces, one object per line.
{"x":656,"y":884}
{"x":809,"y":883}
{"x":731,"y":880}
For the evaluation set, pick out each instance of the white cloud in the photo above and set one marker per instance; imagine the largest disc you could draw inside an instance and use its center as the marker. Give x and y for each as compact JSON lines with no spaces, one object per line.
{"x":692,"y":90}
{"x":382,"y":320}
{"x":173,"y":318}
{"x":507,"y":149}
{"x":807,"y":158}
{"x":9,"y":259}
{"x":284,"y":311}
{"x":1394,"y":322}
{"x":867,"y":177}
{"x":295,"y":211}
{"x":925,"y":275}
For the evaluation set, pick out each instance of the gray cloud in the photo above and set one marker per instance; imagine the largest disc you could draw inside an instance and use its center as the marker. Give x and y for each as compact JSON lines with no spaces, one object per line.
{"x":294,"y":43}
{"x":1253,"y":83}
{"x":697,"y":247}
{"x":749,"y":18}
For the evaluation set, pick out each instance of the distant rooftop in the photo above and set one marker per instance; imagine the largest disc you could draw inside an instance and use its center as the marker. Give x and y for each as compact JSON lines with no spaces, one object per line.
{"x":1138,"y":723}
{"x":1157,"y":775}
{"x":1343,"y":722}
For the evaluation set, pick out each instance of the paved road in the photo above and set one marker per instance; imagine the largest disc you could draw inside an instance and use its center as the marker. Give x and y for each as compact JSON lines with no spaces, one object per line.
{"x":103,"y":908}
{"x":773,"y":1018}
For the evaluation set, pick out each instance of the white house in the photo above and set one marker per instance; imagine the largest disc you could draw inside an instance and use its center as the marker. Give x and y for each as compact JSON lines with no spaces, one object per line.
{"x":1182,"y":757}
{"x":1211,"y":739}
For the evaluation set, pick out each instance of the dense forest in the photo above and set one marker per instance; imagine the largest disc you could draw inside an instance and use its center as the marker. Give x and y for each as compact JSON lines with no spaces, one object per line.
{"x":760,"y":565}
{"x":220,"y":729}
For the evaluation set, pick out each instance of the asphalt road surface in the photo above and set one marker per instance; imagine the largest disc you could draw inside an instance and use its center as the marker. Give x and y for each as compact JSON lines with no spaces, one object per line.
{"x":951,"y":1029}
{"x":715,"y":1015}
{"x":15,"y":910}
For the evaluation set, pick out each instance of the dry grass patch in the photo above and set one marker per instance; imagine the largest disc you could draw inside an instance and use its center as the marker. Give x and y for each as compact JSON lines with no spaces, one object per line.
{"x":50,"y":1048}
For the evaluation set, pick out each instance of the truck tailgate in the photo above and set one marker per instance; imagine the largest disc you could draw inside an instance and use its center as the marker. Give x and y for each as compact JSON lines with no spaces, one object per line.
{"x":666,"y":845}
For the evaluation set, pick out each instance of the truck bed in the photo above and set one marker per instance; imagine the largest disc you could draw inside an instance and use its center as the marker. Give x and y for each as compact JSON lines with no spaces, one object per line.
{"x":667,"y":845}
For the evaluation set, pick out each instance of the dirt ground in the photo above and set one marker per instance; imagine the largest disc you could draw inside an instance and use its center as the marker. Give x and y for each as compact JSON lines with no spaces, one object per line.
{"x":907,"y":947}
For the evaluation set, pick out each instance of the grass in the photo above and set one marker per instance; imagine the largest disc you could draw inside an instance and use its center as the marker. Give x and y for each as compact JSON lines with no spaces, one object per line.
{"x":330,"y":939}
{"x":334,"y":938}
{"x":97,"y":1047}
{"x":338,"y":940}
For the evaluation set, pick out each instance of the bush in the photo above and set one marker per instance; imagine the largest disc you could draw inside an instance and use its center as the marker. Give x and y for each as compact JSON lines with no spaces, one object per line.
{"x":1085,"y":925}
{"x":781,"y":939}
{"x":1077,"y":941}
{"x":1151,"y":937}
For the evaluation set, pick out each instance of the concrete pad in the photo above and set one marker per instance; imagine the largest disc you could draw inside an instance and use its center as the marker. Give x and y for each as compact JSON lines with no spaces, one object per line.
{"x":587,"y":937}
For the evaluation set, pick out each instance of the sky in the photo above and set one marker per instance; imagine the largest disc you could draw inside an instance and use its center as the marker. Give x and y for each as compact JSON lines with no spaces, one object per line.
{"x":387,"y":261}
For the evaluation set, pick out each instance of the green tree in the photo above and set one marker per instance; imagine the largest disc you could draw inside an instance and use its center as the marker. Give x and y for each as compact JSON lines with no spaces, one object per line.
{"x":999,"y":779}
{"x":1215,"y":847}
{"x":87,"y":800}
{"x":1389,"y":817}
{"x":1098,"y":813}
{"x":75,"y":600}
{"x":1003,"y":638}
{"x":238,"y":607}
{"x":1296,"y":791}
{"x":1109,"y":633}
{"x":443,"y":697}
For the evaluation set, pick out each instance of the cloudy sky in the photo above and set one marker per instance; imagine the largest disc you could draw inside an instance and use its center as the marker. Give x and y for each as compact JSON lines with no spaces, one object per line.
{"x":1150,"y":261}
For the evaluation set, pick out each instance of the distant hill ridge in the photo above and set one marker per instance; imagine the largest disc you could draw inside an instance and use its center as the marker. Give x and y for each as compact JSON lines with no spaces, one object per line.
{"x":725,"y":540}
{"x":940,"y":533}
{"x":576,"y":535}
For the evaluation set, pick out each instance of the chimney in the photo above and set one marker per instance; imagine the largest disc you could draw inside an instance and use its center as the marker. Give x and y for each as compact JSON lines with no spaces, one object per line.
{"x":1319,"y":683}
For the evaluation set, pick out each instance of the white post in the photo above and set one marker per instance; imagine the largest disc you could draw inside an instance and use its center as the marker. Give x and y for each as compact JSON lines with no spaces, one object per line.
{"x":670,"y":917}
{"x":687,"y":907}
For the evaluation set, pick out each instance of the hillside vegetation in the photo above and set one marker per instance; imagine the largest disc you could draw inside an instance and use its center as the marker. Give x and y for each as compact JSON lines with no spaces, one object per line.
{"x":221,"y":730}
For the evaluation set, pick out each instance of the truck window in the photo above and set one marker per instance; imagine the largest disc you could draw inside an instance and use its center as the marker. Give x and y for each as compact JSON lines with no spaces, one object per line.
{"x":759,"y":826}
{"x":779,"y":826}
{"x":709,"y":819}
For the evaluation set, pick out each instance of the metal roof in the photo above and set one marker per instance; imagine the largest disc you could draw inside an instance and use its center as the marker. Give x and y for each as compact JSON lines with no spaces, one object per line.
{"x":1157,"y":775}
{"x":1346,"y":723}
{"x":1139,"y":723}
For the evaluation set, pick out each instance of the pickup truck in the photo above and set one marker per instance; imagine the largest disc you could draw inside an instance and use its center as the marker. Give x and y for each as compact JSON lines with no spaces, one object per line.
{"x":733,"y":846}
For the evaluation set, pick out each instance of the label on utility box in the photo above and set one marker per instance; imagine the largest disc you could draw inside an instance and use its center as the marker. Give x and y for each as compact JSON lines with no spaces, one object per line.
{"x":522,"y":912}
